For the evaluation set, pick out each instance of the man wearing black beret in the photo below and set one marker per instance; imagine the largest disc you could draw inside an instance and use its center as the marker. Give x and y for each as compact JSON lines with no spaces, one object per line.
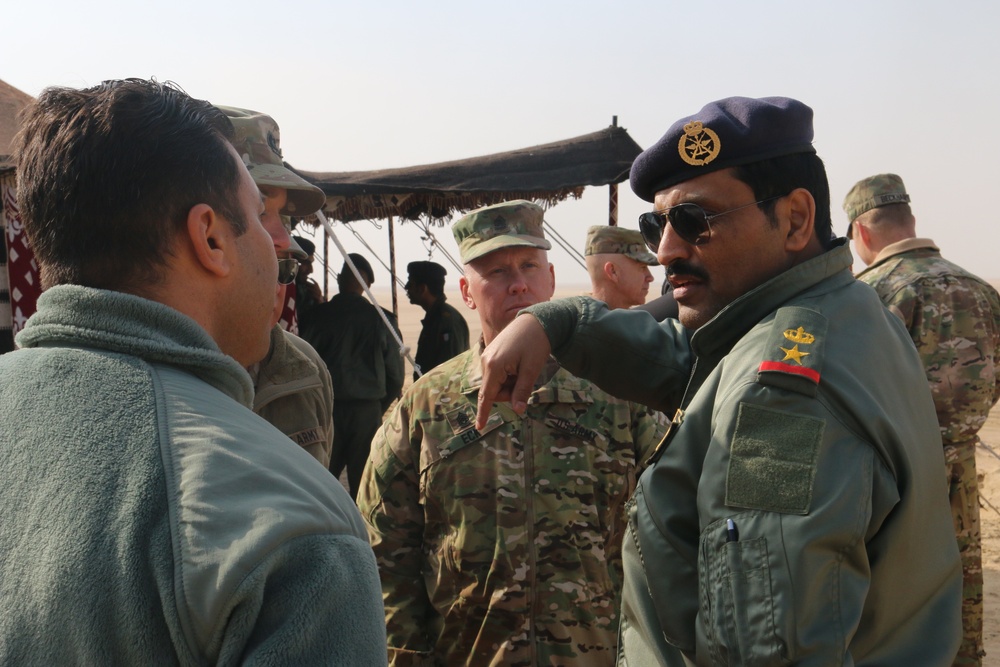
{"x":445,"y":333}
{"x":795,"y":513}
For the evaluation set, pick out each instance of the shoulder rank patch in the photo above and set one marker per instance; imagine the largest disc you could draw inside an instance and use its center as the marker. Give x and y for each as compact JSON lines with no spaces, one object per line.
{"x":793,"y":355}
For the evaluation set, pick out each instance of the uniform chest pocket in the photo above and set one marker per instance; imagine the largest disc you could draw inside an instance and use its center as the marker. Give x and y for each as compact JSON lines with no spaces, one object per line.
{"x":455,"y":455}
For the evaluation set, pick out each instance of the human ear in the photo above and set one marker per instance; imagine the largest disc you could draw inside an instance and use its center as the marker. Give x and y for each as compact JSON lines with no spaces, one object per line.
{"x":463,"y":286}
{"x":610,"y":272}
{"x":209,"y":236}
{"x":799,"y":208}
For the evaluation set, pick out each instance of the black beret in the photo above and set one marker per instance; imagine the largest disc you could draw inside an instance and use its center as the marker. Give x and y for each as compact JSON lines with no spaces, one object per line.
{"x":364,"y":268}
{"x":726,"y":133}
{"x":426,"y":272}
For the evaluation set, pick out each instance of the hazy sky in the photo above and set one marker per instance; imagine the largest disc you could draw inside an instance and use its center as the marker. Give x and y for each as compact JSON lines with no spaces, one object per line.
{"x":908,"y":87}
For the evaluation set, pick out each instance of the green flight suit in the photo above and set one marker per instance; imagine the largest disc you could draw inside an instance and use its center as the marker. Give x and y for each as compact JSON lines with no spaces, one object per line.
{"x":808,"y":423}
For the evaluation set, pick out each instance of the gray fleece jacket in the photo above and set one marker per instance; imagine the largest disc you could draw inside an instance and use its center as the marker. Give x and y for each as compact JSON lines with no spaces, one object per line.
{"x":149,"y":517}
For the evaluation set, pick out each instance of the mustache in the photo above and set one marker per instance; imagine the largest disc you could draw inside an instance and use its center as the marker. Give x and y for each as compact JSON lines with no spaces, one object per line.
{"x":682,"y":268}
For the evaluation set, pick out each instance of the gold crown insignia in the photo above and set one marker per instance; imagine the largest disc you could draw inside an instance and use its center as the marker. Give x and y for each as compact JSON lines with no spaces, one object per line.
{"x":799,"y":335}
{"x":698,"y":145}
{"x":693,"y":128}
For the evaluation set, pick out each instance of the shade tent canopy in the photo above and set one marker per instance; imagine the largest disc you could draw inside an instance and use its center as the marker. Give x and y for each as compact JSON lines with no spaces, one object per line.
{"x":547,"y":174}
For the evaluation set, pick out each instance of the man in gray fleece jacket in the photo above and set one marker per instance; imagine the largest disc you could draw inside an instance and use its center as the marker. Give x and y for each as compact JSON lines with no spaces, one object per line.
{"x":148,"y":516}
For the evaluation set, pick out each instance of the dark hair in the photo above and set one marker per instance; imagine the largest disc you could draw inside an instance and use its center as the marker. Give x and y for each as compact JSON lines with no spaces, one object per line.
{"x":779,"y":176}
{"x":346,"y":279}
{"x":435,"y":284}
{"x":108,"y":174}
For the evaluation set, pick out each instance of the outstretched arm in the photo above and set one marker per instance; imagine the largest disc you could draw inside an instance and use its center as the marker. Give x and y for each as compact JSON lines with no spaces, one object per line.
{"x":627,"y":353}
{"x":511,"y":364}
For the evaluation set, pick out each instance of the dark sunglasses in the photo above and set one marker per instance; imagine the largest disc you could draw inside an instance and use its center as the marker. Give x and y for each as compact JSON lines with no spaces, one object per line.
{"x":690,"y":221}
{"x":287,"y":270}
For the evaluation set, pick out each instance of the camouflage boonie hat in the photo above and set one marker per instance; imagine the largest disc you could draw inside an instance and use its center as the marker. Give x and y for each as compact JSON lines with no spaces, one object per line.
{"x":873,"y":192}
{"x":258,"y":142}
{"x":603,"y":239}
{"x":512,"y":223}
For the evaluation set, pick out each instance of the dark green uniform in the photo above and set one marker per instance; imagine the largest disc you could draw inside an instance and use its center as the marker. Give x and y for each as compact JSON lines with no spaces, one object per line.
{"x":807,"y":423}
{"x":367,"y":372}
{"x":444,"y":335}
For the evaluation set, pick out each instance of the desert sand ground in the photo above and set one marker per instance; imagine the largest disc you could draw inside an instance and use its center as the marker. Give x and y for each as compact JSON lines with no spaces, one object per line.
{"x":987,"y":461}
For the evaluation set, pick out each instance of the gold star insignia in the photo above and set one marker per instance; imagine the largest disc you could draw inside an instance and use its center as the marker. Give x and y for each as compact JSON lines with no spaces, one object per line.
{"x":794,"y":354}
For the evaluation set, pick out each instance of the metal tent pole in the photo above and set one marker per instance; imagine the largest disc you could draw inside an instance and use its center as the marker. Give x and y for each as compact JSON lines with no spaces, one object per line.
{"x":392,"y":266}
{"x":613,"y":192}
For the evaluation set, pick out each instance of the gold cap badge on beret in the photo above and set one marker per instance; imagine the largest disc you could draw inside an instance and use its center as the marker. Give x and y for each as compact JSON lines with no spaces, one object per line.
{"x":698,"y":145}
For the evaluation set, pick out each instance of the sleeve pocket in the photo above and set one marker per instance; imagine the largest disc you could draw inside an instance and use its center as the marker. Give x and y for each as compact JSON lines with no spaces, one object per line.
{"x":736,"y":611}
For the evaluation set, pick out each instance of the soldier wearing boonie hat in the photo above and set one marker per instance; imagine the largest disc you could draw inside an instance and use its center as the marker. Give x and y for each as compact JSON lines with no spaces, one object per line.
{"x":506,"y":225}
{"x":258,"y":142}
{"x":618,"y":264}
{"x":293,"y":389}
{"x":796,"y":392}
{"x":573,"y":459}
{"x":953,"y":318}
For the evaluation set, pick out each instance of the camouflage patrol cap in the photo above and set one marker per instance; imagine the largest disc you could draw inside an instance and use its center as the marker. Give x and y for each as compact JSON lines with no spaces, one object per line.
{"x":873,"y":192}
{"x":727,"y":133}
{"x":603,"y":239}
{"x":512,"y":223}
{"x":257,"y":140}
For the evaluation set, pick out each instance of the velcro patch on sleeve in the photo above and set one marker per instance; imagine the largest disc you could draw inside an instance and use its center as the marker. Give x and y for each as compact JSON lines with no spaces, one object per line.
{"x":793,"y":356}
{"x":772,"y":461}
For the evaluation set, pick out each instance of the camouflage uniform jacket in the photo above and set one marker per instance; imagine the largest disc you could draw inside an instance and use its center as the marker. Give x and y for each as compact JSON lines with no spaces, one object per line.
{"x":503,"y":547}
{"x":293,"y":391}
{"x":807,"y":422}
{"x":954,"y":320}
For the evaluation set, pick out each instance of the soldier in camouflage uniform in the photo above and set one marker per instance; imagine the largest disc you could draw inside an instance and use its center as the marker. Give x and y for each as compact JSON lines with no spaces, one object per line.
{"x":503,"y":545}
{"x":292,"y":387}
{"x":618,"y":264}
{"x":954,"y":320}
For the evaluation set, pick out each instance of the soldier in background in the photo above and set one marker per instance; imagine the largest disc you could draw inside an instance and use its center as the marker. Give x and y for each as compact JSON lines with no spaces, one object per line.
{"x":954,"y":320}
{"x":292,"y":387}
{"x":618,"y":264}
{"x":503,"y":545}
{"x":444,"y":332}
{"x":363,"y":359}
{"x":308,"y":293}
